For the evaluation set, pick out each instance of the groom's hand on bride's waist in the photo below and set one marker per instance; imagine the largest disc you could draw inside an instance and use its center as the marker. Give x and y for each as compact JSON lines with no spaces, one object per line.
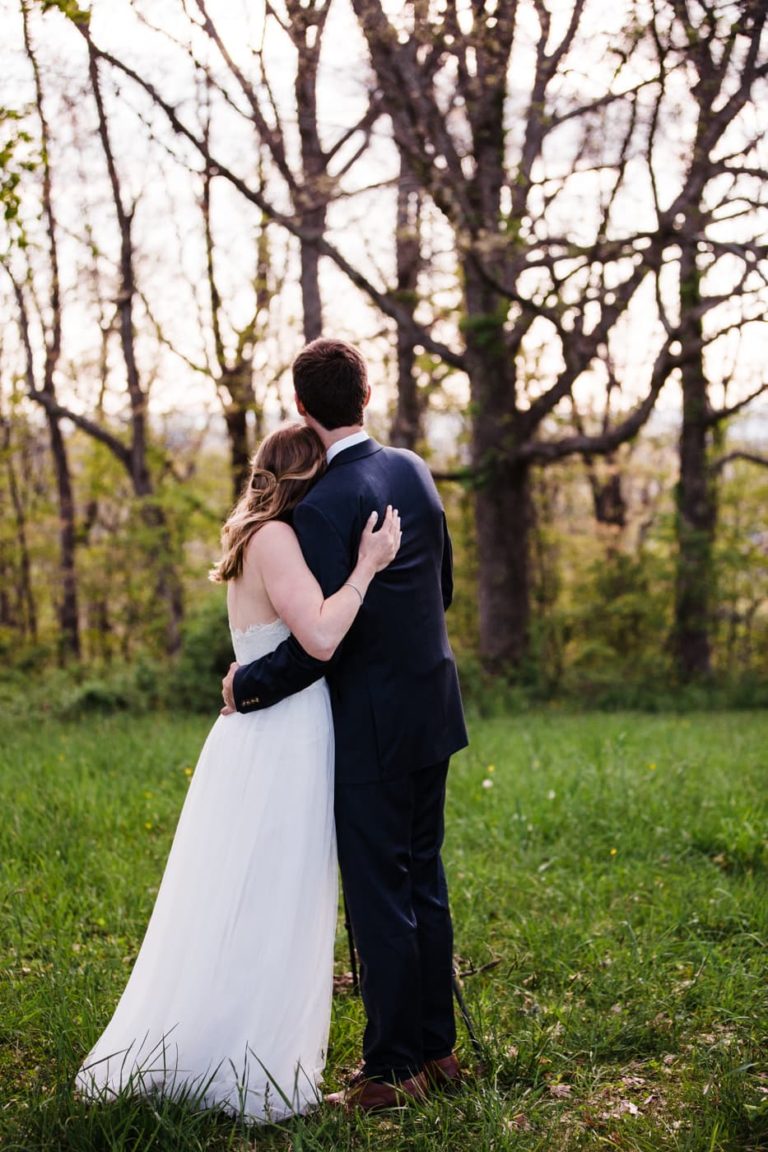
{"x":227,"y":691}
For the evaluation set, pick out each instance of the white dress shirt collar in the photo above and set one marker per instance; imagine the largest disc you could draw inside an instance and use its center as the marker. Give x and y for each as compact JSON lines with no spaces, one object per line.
{"x":346,"y":442}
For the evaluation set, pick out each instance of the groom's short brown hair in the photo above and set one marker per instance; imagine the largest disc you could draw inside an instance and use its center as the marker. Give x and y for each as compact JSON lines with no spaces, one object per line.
{"x":331,"y":380}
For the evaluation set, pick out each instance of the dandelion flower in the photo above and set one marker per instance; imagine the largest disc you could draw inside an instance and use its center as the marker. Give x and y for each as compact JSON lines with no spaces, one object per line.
{"x":487,"y":783}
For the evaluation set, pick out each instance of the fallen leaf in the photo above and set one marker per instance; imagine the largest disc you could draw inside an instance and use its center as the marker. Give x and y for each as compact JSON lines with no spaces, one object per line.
{"x":518,"y":1123}
{"x":622,"y":1108}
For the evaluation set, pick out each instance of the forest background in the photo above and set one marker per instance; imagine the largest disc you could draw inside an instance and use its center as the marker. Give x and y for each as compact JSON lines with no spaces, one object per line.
{"x":544,"y":224}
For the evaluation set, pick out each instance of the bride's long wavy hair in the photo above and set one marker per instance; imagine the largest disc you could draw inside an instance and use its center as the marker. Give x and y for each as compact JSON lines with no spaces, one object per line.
{"x":286,"y":465}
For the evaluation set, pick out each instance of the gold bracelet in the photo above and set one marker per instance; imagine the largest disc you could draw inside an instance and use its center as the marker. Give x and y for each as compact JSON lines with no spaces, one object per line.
{"x":350,"y":585}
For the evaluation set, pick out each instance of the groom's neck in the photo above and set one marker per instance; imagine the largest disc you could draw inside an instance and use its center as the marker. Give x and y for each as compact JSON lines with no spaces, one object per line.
{"x":332,"y":437}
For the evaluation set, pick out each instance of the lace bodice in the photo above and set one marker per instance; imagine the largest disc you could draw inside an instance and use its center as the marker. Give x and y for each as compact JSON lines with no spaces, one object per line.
{"x":258,"y":639}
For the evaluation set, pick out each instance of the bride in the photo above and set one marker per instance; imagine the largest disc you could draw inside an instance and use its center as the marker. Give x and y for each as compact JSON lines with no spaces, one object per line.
{"x":229,"y":1000}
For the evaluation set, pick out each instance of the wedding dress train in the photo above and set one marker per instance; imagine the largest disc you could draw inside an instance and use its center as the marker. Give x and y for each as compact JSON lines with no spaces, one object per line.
{"x":230,"y":996}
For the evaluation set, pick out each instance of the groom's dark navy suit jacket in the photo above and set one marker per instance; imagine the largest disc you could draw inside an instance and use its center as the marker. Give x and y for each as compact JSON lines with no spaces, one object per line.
{"x":393,"y":682}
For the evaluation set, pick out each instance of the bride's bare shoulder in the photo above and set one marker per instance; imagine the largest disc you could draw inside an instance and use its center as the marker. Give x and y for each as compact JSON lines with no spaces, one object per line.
{"x":273,"y":534}
{"x":275,"y":529}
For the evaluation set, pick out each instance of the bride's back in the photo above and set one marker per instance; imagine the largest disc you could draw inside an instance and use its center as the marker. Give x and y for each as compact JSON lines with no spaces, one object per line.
{"x":247,"y":599}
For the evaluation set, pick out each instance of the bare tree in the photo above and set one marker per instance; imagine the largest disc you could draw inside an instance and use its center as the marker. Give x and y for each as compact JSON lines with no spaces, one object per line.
{"x":235,"y":373}
{"x":233,"y":354}
{"x":136,"y":454}
{"x":133,"y":454}
{"x":444,"y":78}
{"x":719,"y":278}
{"x":41,"y":380}
{"x":312,"y":173}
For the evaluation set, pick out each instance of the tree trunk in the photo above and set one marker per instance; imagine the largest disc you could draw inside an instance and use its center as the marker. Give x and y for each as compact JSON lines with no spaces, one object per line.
{"x":67,"y":611}
{"x":502,"y":508}
{"x":168,"y":587}
{"x":171,"y":594}
{"x":67,"y":599}
{"x":167,"y":582}
{"x":100,"y":628}
{"x":311,"y":196}
{"x":311,"y":300}
{"x":502,"y":496}
{"x":407,"y":423}
{"x":236,"y":418}
{"x":26,"y":619}
{"x":696,"y":497}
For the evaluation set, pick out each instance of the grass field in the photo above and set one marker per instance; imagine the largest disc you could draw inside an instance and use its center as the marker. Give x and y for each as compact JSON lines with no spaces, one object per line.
{"x":608,"y":876}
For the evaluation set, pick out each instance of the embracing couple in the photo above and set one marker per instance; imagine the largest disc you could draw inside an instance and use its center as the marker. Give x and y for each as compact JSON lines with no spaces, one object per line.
{"x":339,"y":720}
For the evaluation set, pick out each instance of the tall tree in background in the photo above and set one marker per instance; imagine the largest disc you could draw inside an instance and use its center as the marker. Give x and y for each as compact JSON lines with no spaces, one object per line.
{"x":312,"y":173}
{"x":41,"y":381}
{"x":304,"y":26}
{"x":135,"y":455}
{"x":719,"y":273}
{"x":234,"y":365}
{"x":444,"y":78}
{"x":234,"y":373}
{"x":235,"y":354}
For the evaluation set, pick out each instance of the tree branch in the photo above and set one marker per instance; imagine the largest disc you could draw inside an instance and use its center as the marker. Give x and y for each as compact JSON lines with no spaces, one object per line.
{"x":750,"y":457}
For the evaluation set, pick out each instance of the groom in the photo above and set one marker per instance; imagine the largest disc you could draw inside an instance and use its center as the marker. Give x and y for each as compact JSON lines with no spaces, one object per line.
{"x":397,"y":719}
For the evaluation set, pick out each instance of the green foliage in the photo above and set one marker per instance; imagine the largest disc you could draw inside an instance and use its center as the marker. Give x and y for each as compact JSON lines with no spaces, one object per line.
{"x":601,"y":598}
{"x":486,"y":330}
{"x":17,"y":157}
{"x":69,"y":8}
{"x":741,"y":563}
{"x":192,"y":682}
{"x":462,"y":615}
{"x":135,"y":689}
{"x":487,"y":695}
{"x":205,"y":657}
{"x":608,"y":870}
{"x":616,"y":630}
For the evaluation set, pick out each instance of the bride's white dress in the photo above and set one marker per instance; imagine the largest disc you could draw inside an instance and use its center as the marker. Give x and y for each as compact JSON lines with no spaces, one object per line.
{"x":229,"y":1000}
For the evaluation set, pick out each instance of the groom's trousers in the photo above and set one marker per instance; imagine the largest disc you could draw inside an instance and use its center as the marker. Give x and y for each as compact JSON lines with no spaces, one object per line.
{"x":389,"y":835}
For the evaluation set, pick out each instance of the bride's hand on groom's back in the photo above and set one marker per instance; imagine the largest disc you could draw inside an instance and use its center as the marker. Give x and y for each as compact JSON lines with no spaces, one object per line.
{"x":379,"y":548}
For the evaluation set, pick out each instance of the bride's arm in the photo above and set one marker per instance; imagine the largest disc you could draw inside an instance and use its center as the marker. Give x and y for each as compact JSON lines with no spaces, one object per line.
{"x":317,"y":622}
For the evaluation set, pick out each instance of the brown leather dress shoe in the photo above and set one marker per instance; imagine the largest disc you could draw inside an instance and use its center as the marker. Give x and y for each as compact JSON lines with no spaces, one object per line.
{"x":445,"y":1073}
{"x":375,"y":1096}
